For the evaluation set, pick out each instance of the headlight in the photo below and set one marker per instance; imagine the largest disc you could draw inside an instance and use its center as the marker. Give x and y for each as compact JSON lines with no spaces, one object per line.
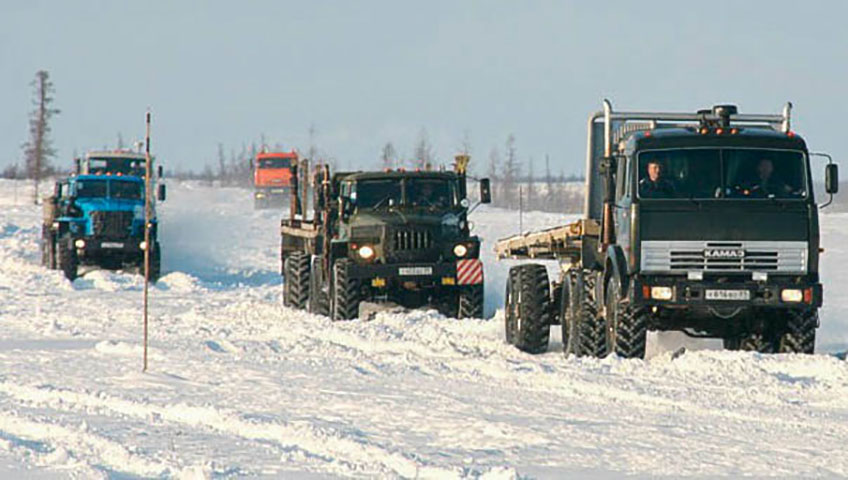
{"x":460,"y":250}
{"x":79,"y":243}
{"x":260,"y":195}
{"x":661,"y":293}
{"x":142,"y":245}
{"x":791,"y":295}
{"x":366,"y":252}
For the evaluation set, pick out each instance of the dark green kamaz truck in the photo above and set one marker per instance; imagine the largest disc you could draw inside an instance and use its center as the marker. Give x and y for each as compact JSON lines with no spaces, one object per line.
{"x":398,"y":237}
{"x":701,"y":222}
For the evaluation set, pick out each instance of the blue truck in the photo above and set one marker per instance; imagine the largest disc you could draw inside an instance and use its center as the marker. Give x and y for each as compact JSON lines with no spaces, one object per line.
{"x":98,"y":220}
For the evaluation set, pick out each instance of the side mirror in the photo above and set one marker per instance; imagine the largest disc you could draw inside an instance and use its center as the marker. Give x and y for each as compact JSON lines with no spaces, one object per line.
{"x":159,"y":171}
{"x":831,"y":178}
{"x":485,"y":191}
{"x":160,"y":195}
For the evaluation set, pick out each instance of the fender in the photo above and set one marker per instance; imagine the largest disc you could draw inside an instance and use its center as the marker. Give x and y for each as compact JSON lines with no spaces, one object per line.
{"x":616,"y":265}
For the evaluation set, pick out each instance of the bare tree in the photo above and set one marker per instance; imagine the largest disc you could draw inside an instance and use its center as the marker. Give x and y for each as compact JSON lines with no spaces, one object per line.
{"x":423,"y":151}
{"x":531,"y":186}
{"x":38,"y":150}
{"x":222,"y":164}
{"x":511,"y":172}
{"x":549,"y":182}
{"x":388,"y":156}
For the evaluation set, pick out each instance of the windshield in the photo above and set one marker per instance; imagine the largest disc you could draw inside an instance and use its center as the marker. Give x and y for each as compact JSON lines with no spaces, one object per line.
{"x":700,"y":173}
{"x":430,"y":192}
{"x":91,"y":188}
{"x":130,"y":190}
{"x":124,"y":166}
{"x":377,"y":193}
{"x":274,"y":162}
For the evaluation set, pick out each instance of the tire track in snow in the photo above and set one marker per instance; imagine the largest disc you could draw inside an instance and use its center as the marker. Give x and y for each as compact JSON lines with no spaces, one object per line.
{"x":341,"y":455}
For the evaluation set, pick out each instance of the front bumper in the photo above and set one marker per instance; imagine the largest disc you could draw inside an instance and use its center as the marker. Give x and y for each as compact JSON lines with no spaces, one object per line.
{"x":99,"y":247}
{"x":271,"y":192}
{"x":696,"y":293}
{"x":463,"y":272}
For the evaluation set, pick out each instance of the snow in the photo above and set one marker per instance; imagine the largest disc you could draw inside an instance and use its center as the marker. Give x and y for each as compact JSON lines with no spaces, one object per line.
{"x":240,"y":386}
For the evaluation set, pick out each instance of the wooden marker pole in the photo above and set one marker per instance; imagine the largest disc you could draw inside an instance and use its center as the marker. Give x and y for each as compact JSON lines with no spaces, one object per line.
{"x":147,"y":218}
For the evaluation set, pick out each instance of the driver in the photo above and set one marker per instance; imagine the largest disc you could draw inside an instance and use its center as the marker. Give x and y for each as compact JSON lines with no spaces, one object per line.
{"x":766,"y":184}
{"x":426,"y":196}
{"x":654,"y":185}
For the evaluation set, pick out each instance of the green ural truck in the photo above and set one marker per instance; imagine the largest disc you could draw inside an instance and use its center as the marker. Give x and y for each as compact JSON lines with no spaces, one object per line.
{"x":701,"y":222}
{"x":399,"y":237}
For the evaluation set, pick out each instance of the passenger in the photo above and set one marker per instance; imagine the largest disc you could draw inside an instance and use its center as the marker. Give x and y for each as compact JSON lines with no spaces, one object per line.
{"x":654,"y":185}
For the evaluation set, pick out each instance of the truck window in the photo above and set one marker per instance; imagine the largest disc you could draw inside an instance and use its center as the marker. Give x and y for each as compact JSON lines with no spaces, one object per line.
{"x":91,"y":188}
{"x":621,"y":178}
{"x":129,"y":190}
{"x":274,"y":162}
{"x":378,"y":193}
{"x":680,"y":173}
{"x":430,"y":192}
{"x":758,"y":173}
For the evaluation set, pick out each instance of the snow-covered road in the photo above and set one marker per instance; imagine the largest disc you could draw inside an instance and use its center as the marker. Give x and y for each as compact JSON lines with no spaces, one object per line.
{"x":240,"y":386}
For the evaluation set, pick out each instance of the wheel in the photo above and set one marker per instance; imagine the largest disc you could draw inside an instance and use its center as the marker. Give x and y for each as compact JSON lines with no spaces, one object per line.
{"x":799,"y":335}
{"x":758,"y":342}
{"x":48,"y":248}
{"x":627,"y":327}
{"x":583,"y":334}
{"x":66,"y":258}
{"x":296,"y":280}
{"x":346,"y":292}
{"x":731,"y":343}
{"x":528,"y":313}
{"x":510,"y":307}
{"x":319,"y":303}
{"x":470,"y":302}
{"x":155,"y":262}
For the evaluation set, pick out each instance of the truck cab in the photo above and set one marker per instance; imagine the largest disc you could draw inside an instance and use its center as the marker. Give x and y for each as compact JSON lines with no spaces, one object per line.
{"x":705,"y":223}
{"x":272,"y":177}
{"x":716,"y":228}
{"x":97,"y":220}
{"x":399,"y":237}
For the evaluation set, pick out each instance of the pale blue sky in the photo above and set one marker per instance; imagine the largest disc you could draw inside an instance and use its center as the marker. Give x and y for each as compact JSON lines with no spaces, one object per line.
{"x":368,"y":72}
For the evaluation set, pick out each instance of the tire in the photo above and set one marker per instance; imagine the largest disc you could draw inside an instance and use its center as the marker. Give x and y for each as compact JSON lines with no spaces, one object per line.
{"x":583,"y":334}
{"x":48,"y":248}
{"x":470,"y":302}
{"x":799,"y":335}
{"x":528,"y":311}
{"x":319,"y":303}
{"x":346,"y":292}
{"x":296,"y":280}
{"x":155,"y":263}
{"x":731,"y":343}
{"x":627,"y":328}
{"x":66,"y":258}
{"x":758,"y":342}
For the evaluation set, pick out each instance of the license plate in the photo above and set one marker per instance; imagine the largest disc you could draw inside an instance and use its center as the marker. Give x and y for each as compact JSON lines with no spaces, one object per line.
{"x":112,"y":245}
{"x":407,"y":271}
{"x":728,"y":295}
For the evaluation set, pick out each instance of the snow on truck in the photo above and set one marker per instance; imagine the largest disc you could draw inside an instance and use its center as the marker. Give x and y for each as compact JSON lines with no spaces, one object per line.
{"x":272,"y":173}
{"x":399,"y":237}
{"x":700,"y":222}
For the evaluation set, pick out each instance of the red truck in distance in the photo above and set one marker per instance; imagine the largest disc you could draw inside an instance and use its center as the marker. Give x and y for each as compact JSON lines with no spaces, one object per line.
{"x":272,"y":175}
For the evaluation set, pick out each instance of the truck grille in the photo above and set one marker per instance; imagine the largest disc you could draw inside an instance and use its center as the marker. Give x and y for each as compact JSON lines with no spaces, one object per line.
{"x":412,"y":240}
{"x":761,"y":256}
{"x":111,"y":224}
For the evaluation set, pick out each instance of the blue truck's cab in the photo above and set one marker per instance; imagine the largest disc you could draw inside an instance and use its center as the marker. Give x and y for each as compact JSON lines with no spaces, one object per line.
{"x":98,"y":220}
